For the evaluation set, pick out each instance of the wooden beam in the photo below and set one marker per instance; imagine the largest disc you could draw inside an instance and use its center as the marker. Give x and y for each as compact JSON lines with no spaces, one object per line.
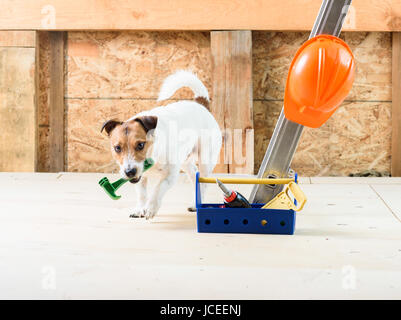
{"x":396,"y":108}
{"x":18,"y":39}
{"x":56,"y":101}
{"x":232,"y":102}
{"x":366,"y":15}
{"x":17,"y":108}
{"x":37,"y":99}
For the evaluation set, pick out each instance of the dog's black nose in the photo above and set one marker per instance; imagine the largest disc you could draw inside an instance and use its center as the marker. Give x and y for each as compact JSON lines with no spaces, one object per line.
{"x":131,"y":173}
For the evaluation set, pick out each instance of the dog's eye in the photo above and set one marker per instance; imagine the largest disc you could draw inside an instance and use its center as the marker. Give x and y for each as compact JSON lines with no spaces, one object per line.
{"x":117,"y":149}
{"x":140,"y":146}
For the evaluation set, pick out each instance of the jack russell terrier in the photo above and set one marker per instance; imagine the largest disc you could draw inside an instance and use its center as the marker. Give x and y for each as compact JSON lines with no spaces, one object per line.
{"x":176,"y":136}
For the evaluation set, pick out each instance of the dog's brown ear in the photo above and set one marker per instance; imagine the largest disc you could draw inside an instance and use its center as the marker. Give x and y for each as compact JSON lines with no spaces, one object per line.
{"x":147,"y":122}
{"x":110,"y":125}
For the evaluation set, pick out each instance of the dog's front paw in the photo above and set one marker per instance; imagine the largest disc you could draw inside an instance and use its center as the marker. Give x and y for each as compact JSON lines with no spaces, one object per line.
{"x":151,"y":211}
{"x":139,"y":212}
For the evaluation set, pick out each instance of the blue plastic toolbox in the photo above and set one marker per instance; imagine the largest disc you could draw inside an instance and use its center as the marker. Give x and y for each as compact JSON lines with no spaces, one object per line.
{"x":211,"y":217}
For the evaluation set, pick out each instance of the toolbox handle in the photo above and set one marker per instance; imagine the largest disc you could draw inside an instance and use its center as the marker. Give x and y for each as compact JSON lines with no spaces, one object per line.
{"x":247,"y":180}
{"x":299,"y":196}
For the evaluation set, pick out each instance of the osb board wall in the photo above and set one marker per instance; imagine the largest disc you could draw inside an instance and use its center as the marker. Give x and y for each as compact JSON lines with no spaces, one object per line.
{"x":17,"y":101}
{"x":116,"y":74}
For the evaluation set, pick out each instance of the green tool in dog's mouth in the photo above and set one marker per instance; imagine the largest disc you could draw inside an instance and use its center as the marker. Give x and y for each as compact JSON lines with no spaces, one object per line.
{"x":111,"y":188}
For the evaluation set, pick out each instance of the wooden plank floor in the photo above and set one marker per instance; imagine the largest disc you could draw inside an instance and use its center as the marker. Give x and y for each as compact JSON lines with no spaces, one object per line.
{"x":62,"y":238}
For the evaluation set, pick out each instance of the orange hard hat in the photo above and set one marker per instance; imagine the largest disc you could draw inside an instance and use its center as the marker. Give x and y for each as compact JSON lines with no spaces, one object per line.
{"x":320,"y":77}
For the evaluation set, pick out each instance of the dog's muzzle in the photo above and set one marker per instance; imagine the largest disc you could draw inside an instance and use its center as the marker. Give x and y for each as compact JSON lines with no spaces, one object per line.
{"x":135,"y":180}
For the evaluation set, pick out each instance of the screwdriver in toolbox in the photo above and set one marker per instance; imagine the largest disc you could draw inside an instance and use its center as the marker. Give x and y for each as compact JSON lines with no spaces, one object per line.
{"x":233,"y":199}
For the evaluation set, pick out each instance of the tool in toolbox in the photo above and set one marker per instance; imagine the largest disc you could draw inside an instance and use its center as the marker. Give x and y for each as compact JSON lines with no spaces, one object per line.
{"x":111,"y":188}
{"x":320,"y":77}
{"x":284,"y":201}
{"x":276,"y":217}
{"x":233,"y":199}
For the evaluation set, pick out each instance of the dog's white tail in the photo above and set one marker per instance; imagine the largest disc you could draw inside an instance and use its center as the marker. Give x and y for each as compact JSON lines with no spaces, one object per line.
{"x":181,"y":79}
